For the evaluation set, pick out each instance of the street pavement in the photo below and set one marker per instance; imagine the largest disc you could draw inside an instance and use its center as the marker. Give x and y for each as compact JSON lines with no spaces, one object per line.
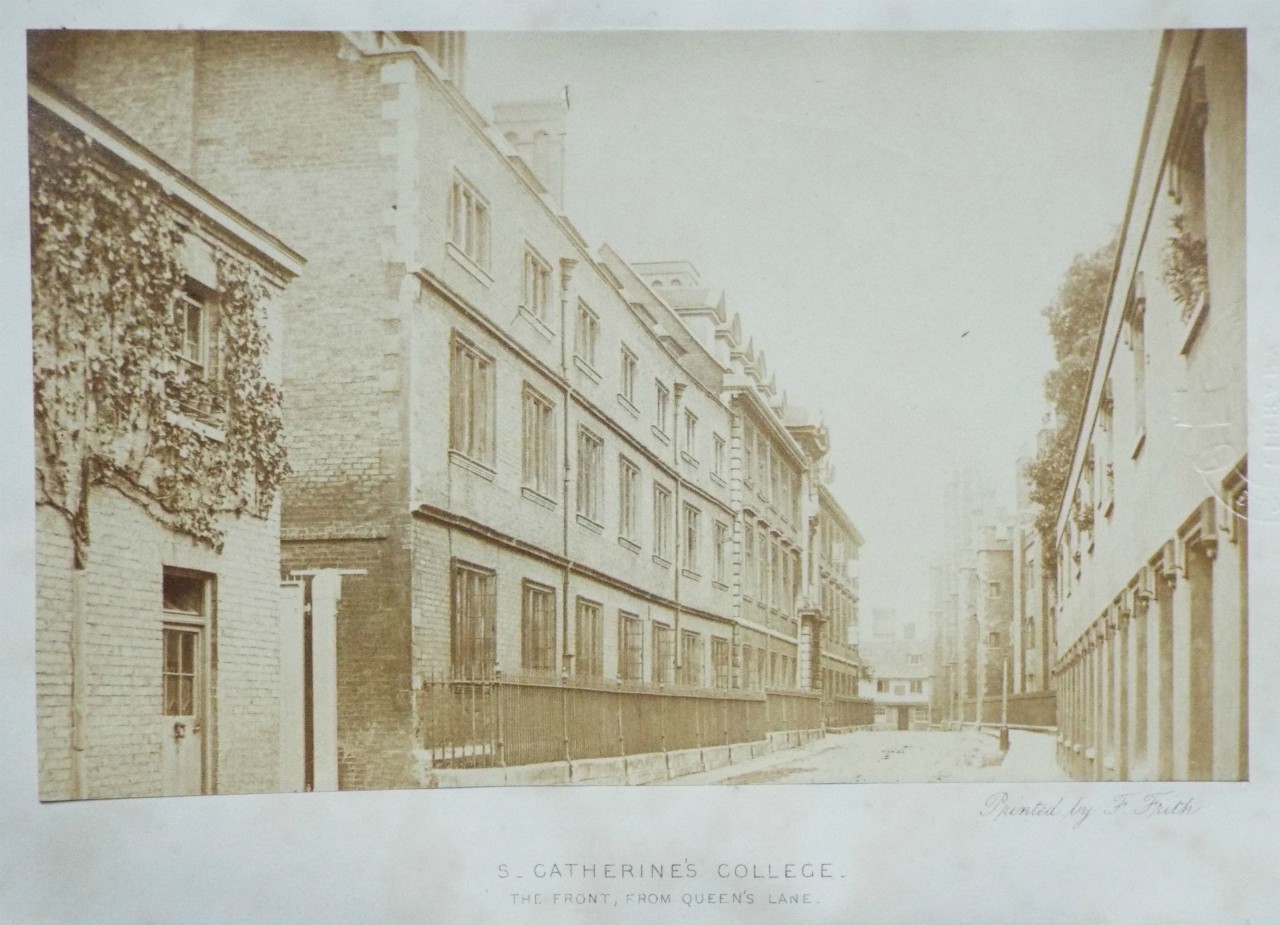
{"x":893,"y":756}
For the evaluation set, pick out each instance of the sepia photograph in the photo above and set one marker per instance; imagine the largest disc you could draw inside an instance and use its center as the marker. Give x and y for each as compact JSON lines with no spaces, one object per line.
{"x":420,"y":410}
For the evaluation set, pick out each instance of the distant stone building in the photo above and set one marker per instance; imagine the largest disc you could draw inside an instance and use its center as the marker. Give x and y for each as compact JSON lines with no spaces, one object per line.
{"x":1034,"y":643}
{"x":898,"y":657}
{"x":1152,"y":532}
{"x":158,"y":454}
{"x":973,"y":595}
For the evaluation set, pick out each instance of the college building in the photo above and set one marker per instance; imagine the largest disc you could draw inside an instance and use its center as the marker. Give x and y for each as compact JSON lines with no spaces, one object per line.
{"x":1152,"y":533}
{"x":538,"y":467}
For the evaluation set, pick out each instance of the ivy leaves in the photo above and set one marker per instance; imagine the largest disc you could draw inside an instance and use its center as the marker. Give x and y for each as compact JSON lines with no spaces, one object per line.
{"x":1186,"y":266}
{"x":107,"y":272}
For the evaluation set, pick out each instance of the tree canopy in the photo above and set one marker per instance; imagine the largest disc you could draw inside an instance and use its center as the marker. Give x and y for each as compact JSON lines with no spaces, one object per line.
{"x":1075,"y":322}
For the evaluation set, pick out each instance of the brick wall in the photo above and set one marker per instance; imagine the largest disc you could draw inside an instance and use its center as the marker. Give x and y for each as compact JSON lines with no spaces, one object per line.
{"x":122,"y":655}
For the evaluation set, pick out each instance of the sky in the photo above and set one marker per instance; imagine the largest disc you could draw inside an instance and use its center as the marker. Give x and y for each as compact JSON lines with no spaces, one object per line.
{"x":888,"y":212}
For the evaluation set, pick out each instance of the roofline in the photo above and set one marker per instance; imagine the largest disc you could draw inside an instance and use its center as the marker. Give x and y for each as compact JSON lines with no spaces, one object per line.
{"x":825,"y":494}
{"x":1077,"y":455}
{"x":128,"y":149}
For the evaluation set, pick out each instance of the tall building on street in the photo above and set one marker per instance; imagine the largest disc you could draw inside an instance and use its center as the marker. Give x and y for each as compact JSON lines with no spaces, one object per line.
{"x":540,"y":465}
{"x":1152,"y":531}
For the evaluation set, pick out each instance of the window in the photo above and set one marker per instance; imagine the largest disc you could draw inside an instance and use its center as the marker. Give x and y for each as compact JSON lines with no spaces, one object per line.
{"x":179,"y":670}
{"x":993,"y":638}
{"x":539,"y":443}
{"x":750,"y":668}
{"x":917,"y":687}
{"x":692,"y":536}
{"x":588,"y":333}
{"x":630,"y":647}
{"x":662,"y":409}
{"x":1135,"y":312}
{"x":720,"y":662}
{"x":775,"y":679}
{"x":628,"y":481}
{"x":690,"y":658}
{"x":628,"y":382}
{"x":473,"y":636}
{"x":748,"y":452}
{"x":590,"y":640}
{"x":994,"y":589}
{"x":184,"y":600}
{"x":662,"y":522}
{"x":720,"y":537}
{"x":590,"y":465}
{"x":899,"y":689}
{"x":469,"y":222}
{"x":1106,"y":422}
{"x":538,"y":630}
{"x":664,"y":654}
{"x":762,"y":566}
{"x":762,"y":466}
{"x":882,"y":686}
{"x":796,"y":576}
{"x":471,"y":402}
{"x":717,"y":455}
{"x":537,"y":285}
{"x":775,"y":573}
{"x":690,"y":434}
{"x":915,"y":659}
{"x":195,"y":317}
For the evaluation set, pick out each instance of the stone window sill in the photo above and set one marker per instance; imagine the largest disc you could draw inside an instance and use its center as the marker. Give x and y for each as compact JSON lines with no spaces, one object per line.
{"x":586,"y":368}
{"x":473,"y":466}
{"x":538,"y":497}
{"x":460,"y":257}
{"x":536,"y":322}
{"x":585,"y":521}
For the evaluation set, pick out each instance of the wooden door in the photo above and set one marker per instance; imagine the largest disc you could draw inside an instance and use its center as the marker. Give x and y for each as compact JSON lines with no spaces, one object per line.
{"x":181,"y":726}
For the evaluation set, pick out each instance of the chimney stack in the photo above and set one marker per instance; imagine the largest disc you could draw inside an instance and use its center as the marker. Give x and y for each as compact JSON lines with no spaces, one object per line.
{"x":536,"y":130}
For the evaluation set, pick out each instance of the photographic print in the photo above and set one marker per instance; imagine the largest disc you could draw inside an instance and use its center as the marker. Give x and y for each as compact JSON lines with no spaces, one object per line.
{"x":422,"y":410}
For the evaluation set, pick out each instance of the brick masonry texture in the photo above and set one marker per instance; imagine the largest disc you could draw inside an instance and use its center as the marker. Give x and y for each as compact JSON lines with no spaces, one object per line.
{"x":123,"y":658}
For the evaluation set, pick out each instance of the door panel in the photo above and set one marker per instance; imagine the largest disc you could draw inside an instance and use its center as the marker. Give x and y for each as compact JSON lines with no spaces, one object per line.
{"x":181,"y":732}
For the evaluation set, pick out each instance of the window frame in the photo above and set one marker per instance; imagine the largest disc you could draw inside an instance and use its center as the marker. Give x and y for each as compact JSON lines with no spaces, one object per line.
{"x":630,"y":656}
{"x":538,"y":651}
{"x":588,"y":625}
{"x":538,"y":284}
{"x":463,"y":421}
{"x":464,"y":661}
{"x":586,"y":337}
{"x":539,"y":460}
{"x":590,"y":475}
{"x":470,"y":238}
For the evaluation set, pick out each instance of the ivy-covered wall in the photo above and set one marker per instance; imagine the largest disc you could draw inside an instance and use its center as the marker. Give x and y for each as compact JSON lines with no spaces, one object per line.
{"x":107,"y":270}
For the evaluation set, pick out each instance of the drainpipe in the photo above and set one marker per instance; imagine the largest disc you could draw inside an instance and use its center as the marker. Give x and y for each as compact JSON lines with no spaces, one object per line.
{"x":676,"y":514}
{"x":567,"y":266}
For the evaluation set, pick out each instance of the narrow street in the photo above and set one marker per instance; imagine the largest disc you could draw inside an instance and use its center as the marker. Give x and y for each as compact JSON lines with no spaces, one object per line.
{"x":897,"y":757}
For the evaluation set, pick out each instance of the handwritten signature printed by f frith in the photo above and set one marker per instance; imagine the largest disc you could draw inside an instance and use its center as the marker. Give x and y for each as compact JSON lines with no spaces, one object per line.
{"x":1076,"y":811}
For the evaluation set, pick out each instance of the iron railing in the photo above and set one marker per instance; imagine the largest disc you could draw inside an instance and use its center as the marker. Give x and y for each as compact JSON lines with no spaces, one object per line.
{"x":841,"y":712}
{"x":506,"y":721}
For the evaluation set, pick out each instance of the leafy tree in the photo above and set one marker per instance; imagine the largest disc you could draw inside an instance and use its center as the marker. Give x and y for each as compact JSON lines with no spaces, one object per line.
{"x":1075,"y":322}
